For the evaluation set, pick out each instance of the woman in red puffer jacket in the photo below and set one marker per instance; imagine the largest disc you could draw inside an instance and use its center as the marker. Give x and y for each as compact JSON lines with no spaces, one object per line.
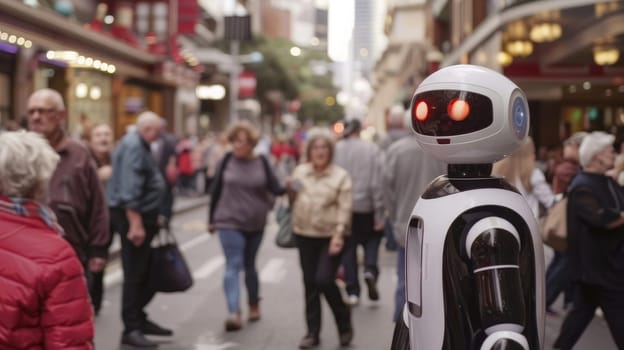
{"x":43,"y":300}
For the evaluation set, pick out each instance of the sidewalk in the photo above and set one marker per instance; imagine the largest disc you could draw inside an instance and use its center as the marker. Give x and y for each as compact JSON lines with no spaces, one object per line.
{"x":180,"y":205}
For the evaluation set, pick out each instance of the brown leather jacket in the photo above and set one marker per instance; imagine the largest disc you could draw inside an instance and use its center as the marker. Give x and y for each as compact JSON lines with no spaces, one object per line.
{"x":77,"y":198}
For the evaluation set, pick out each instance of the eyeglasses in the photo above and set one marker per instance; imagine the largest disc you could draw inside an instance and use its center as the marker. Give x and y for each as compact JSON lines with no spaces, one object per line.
{"x":41,"y":110}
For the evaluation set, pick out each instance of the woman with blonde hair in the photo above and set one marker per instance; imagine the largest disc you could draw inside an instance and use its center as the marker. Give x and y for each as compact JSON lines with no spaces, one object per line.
{"x":321,"y":196}
{"x":519,"y":170}
{"x":43,"y":300}
{"x":241,"y":197}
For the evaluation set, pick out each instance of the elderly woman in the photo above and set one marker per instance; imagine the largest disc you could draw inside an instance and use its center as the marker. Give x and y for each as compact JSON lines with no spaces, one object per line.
{"x":595,"y":217}
{"x":44,"y":302}
{"x":241,"y":197}
{"x":100,"y":142}
{"x":321,"y":194}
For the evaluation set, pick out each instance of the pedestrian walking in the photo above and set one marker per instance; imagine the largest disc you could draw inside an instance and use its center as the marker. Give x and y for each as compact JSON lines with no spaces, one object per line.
{"x":242,"y":195}
{"x":99,"y":140}
{"x":396,"y":130}
{"x":519,"y":169}
{"x":135,"y":192}
{"x":164,"y":152}
{"x":43,"y":300}
{"x":76,"y":194}
{"x":321,"y":195}
{"x":362,"y":161}
{"x":558,"y":274}
{"x":408,"y":170}
{"x":186,"y":168}
{"x":595,"y":239}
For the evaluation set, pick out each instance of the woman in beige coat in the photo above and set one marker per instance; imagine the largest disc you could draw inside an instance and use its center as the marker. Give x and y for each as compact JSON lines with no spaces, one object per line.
{"x":321,"y":192}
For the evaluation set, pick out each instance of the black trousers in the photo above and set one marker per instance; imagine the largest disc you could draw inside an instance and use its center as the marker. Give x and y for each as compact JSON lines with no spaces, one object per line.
{"x":96,"y":281}
{"x":362,"y":233}
{"x":319,"y":273}
{"x":586,"y":299}
{"x":136,"y":292}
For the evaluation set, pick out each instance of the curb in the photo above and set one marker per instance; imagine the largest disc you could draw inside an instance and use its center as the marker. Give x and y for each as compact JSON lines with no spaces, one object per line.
{"x":115,"y":248}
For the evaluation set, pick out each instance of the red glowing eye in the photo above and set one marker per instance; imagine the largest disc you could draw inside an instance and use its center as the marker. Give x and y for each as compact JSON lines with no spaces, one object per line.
{"x":421,"y":112}
{"x":458,"y":110}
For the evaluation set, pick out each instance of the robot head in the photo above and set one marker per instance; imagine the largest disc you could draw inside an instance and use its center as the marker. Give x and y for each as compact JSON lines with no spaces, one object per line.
{"x":467,"y":114}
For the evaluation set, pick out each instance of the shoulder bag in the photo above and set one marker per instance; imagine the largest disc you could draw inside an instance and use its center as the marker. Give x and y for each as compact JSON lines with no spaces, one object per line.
{"x":285,"y":237}
{"x":168,"y":270}
{"x":555,"y":226}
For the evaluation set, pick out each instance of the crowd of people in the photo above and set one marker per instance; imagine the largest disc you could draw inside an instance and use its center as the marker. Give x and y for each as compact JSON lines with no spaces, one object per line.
{"x":62,"y":200}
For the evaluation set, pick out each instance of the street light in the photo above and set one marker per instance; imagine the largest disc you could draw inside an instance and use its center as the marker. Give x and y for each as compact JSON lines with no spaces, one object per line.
{"x":295,"y":51}
{"x":210,"y":92}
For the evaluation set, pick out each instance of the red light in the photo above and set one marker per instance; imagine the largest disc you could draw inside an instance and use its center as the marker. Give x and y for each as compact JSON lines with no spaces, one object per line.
{"x":421,"y":112}
{"x":458,"y":110}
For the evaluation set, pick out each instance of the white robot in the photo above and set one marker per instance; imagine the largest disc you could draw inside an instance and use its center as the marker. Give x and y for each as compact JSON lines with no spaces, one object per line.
{"x":474,"y":257}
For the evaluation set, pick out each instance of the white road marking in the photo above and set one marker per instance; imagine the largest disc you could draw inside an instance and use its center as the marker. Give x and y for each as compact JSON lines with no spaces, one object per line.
{"x":273,"y":271}
{"x":209,"y":267}
{"x":214,"y":346}
{"x":203,"y":237}
{"x":116,"y":276}
{"x":112,"y":278}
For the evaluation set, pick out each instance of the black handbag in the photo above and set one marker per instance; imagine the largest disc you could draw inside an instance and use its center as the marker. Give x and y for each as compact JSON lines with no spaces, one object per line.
{"x":168,"y":270}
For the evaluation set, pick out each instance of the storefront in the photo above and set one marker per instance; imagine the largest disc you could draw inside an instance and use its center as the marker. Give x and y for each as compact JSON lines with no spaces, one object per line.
{"x":137,"y":96}
{"x":7,"y":67}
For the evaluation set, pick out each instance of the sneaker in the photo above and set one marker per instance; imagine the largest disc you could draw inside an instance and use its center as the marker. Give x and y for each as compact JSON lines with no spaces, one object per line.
{"x":309,"y":341}
{"x":371,"y":283}
{"x":233,"y":323}
{"x":353,"y":300}
{"x":254,"y":312}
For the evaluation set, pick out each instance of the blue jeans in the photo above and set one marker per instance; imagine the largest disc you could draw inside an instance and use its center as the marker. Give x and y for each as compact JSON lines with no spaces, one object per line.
{"x":240,"y":249}
{"x":399,"y":297}
{"x":391,"y":243}
{"x":363,"y":234}
{"x":558,"y":279}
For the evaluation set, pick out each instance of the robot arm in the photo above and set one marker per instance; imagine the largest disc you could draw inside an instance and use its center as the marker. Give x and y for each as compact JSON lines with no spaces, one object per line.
{"x":493,"y":246}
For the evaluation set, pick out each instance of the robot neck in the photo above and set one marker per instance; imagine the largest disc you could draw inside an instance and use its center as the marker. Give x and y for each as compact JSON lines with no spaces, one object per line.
{"x":469,"y":170}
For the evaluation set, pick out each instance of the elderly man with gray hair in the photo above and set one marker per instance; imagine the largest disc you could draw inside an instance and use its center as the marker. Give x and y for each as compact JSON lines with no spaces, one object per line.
{"x":135,"y":192}
{"x":44,"y":302}
{"x":595,"y":217}
{"x":76,"y":195}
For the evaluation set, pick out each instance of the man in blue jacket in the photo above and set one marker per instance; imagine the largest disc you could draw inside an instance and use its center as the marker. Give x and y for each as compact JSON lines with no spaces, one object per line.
{"x":135,"y":192}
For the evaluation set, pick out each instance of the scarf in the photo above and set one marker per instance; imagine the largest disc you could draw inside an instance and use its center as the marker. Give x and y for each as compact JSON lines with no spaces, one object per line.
{"x":28,"y":208}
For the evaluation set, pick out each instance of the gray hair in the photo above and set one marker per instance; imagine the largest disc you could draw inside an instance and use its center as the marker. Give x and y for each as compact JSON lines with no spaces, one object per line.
{"x":51,"y":95}
{"x":27,"y":163}
{"x":318,"y":133}
{"x":148,"y":118}
{"x":396,"y":116}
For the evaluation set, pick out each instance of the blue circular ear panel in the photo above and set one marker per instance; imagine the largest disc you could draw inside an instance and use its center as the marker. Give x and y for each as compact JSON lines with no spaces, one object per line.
{"x":520,"y":117}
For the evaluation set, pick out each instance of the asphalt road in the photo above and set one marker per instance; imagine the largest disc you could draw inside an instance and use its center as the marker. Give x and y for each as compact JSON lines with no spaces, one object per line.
{"x":197,"y":315}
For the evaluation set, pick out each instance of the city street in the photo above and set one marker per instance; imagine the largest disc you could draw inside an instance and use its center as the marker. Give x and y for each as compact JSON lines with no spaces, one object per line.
{"x":197,"y":316}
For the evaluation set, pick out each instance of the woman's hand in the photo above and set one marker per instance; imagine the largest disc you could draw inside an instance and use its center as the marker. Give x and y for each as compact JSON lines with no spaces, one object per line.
{"x":336,"y":244}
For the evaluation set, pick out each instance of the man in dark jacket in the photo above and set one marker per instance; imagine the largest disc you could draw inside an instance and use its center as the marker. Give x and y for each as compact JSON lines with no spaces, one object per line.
{"x":135,"y":193}
{"x":595,"y":217}
{"x":76,"y":195}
